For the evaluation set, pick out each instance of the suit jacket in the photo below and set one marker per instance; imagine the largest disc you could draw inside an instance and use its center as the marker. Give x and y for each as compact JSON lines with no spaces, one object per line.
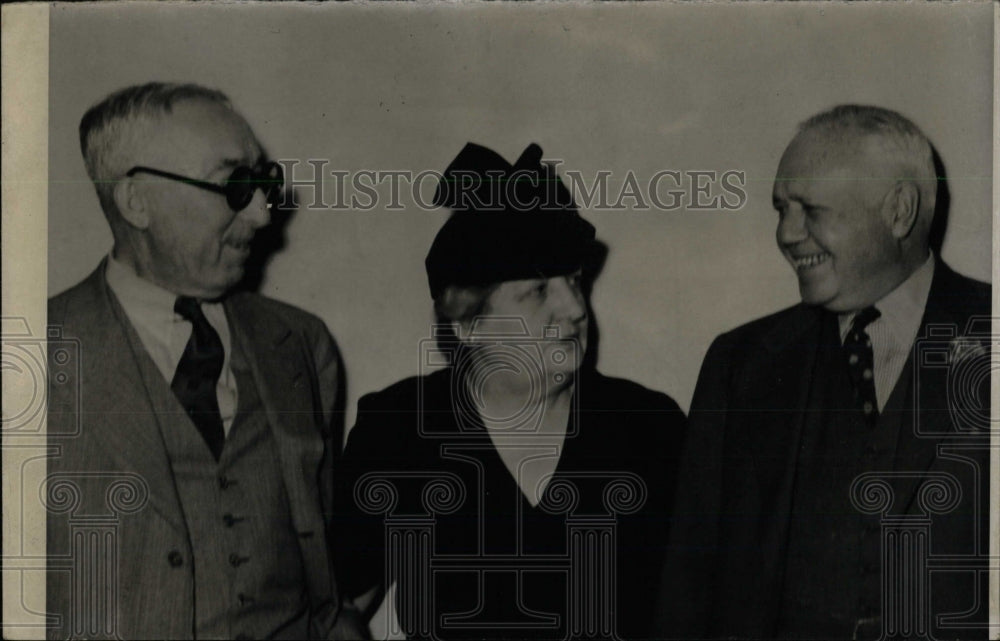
{"x":109,"y":467}
{"x":624,"y":447}
{"x":727,"y":554}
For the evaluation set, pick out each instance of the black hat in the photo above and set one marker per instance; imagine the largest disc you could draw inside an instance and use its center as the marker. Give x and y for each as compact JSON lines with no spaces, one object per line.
{"x":509,"y":222}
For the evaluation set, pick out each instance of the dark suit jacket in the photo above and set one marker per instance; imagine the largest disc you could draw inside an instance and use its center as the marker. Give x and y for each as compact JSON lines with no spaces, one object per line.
{"x":727,"y":555}
{"x":105,"y":434}
{"x":409,"y":435}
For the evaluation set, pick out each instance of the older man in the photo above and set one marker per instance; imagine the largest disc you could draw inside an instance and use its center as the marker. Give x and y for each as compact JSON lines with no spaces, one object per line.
{"x":835,"y":477}
{"x":202,"y":436}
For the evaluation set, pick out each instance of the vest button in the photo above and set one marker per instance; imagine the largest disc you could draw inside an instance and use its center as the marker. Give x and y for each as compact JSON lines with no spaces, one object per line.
{"x":224,"y":483}
{"x":230,"y":520}
{"x":175,"y":559}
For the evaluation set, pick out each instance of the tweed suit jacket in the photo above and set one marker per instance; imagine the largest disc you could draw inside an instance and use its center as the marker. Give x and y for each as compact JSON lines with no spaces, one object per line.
{"x":109,"y":465}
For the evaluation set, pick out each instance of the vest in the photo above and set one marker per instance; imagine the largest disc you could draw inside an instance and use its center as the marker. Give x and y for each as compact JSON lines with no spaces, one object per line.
{"x":833,"y":571}
{"x":249,"y":580}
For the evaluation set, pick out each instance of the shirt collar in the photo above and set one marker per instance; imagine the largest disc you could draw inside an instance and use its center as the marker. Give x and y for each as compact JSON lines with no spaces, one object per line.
{"x":903,"y":308}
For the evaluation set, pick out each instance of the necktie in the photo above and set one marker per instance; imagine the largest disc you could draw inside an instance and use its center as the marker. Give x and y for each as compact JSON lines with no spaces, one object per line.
{"x":861,"y":363}
{"x":198,"y":373}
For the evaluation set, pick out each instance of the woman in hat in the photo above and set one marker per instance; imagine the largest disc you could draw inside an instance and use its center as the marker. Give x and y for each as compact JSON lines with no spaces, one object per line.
{"x":514,"y":491}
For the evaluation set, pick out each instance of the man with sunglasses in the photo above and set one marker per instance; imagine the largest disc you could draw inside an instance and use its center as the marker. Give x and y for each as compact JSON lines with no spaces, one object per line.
{"x":214,"y":411}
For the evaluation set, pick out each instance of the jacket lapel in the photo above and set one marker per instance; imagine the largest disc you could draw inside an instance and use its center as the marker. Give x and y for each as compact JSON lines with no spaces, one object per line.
{"x":280,"y":370}
{"x":779,"y":396}
{"x":931,"y":421}
{"x":777,"y":402}
{"x":112,"y":359}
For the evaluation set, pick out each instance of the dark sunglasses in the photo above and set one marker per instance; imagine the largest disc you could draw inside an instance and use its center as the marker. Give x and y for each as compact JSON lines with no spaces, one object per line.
{"x":238,"y":188}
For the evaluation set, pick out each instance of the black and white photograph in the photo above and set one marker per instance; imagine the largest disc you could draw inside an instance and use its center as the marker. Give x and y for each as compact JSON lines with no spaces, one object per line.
{"x":475,"y":320}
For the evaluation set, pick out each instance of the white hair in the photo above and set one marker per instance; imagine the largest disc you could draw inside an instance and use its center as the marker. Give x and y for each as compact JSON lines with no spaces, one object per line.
{"x":113,"y":128}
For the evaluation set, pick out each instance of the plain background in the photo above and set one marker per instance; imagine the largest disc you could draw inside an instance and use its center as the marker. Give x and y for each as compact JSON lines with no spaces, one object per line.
{"x":640,"y":87}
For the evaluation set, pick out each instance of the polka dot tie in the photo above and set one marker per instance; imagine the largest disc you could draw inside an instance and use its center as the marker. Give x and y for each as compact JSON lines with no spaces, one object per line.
{"x":861,"y":363}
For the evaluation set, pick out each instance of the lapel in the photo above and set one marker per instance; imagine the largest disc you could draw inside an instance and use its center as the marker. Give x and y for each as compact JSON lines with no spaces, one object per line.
{"x":776,"y":398}
{"x":774,"y":403}
{"x":280,"y":369}
{"x":112,"y":355}
{"x":931,"y":422}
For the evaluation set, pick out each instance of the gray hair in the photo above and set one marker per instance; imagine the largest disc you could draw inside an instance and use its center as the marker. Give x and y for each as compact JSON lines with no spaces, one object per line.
{"x":899,"y":138}
{"x":459,"y":304}
{"x":110,"y":128}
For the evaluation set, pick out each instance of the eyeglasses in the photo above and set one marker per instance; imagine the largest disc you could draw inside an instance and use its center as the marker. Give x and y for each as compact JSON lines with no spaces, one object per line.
{"x":238,"y":188}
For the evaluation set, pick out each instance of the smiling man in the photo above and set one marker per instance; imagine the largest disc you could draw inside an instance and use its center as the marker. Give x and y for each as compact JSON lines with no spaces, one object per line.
{"x":204,"y":430}
{"x":804,"y":420}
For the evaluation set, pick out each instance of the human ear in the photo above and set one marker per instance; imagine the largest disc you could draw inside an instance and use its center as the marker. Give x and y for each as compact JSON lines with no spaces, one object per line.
{"x":903,"y":205}
{"x":131,"y":202}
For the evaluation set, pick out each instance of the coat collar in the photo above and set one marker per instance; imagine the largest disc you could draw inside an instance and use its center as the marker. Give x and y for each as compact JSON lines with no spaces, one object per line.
{"x":950,"y":306}
{"x":280,"y":366}
{"x":111,"y":384}
{"x":781,"y":388}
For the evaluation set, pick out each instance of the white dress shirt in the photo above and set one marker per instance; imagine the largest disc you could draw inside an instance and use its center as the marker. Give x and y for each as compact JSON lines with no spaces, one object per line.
{"x":894,"y":331}
{"x":165,"y":333}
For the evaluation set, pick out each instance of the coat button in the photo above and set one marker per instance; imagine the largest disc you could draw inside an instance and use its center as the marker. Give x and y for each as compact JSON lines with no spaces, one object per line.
{"x":175,"y":559}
